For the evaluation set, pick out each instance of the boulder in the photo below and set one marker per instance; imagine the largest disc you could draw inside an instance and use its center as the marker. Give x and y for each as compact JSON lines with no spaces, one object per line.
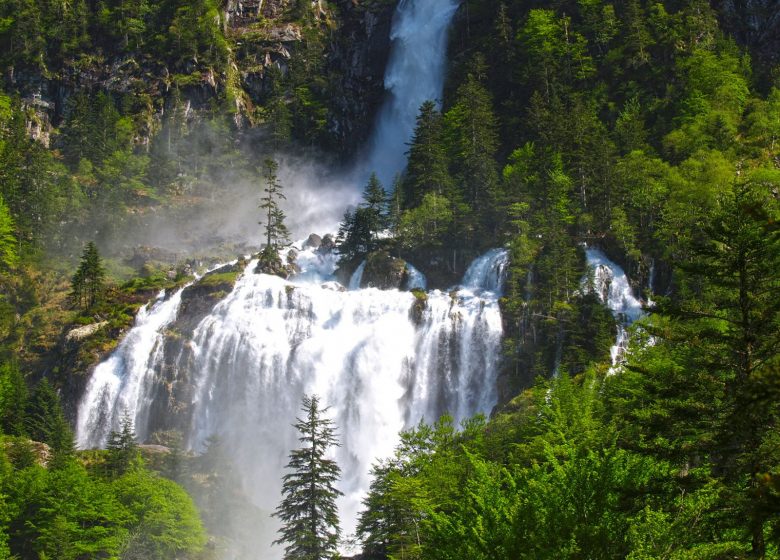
{"x":383,"y":271}
{"x":314,"y":241}
{"x":327,"y":246}
{"x":80,"y":333}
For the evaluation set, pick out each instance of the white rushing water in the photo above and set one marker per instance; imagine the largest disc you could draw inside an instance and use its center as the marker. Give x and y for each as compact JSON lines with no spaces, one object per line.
{"x":380,"y":360}
{"x":380,"y":368}
{"x":611,"y":284}
{"x":121,"y":384}
{"x":415,"y":280}
{"x":414,"y":74}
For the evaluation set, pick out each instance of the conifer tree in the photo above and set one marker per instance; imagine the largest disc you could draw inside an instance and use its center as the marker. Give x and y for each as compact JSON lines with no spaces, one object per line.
{"x":428,"y":167}
{"x":88,"y":283}
{"x":310,"y":525}
{"x":276,"y":232}
{"x":122,"y":447}
{"x":45,"y":421}
{"x":13,"y":400}
{"x":359,"y":231}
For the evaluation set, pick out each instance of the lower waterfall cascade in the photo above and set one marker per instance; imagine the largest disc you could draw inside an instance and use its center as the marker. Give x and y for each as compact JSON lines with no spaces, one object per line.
{"x":378,"y":366}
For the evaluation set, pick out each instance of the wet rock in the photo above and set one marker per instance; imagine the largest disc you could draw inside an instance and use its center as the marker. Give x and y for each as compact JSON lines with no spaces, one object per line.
{"x":383,"y":271}
{"x":327,"y":246}
{"x":334,"y":287}
{"x":273,"y":265}
{"x":314,"y":241}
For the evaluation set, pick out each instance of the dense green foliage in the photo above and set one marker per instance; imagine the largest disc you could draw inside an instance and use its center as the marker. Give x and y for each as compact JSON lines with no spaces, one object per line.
{"x":635,"y":127}
{"x":88,"y":282}
{"x":53,"y":506}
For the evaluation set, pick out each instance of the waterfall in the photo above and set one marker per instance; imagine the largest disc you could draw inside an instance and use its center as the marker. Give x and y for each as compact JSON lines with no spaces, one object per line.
{"x":488,"y":272}
{"x":357,"y":277}
{"x":379,"y":366}
{"x":415,"y":280}
{"x":611,"y":284}
{"x":381,"y":360}
{"x":121,"y":384}
{"x":414,"y":74}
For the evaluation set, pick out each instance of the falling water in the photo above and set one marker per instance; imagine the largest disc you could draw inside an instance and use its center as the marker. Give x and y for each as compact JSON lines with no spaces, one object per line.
{"x":614,"y":290}
{"x":415,"y":280}
{"x":119,"y":385}
{"x":414,"y":74}
{"x":377,"y":364}
{"x":357,"y":277}
{"x":382,"y":360}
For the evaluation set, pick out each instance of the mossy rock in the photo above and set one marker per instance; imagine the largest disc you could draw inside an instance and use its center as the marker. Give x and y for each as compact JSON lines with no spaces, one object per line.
{"x":383,"y":271}
{"x":419,"y":306}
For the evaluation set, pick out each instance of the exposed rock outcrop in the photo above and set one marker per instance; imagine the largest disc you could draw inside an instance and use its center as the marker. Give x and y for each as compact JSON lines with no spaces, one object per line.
{"x":383,"y":271}
{"x":755,"y":24}
{"x":357,"y":58}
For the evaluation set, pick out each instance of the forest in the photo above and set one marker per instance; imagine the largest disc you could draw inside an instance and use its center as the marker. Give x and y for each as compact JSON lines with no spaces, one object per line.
{"x":649,"y":129}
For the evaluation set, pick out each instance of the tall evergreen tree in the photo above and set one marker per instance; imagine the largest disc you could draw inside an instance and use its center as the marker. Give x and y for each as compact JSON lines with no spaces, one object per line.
{"x":473,"y":129}
{"x":276,"y":232}
{"x":45,"y":421}
{"x":310,"y":524}
{"x":122,"y":447}
{"x":427,"y":168}
{"x":375,"y":202}
{"x":88,"y":283}
{"x":13,"y":400}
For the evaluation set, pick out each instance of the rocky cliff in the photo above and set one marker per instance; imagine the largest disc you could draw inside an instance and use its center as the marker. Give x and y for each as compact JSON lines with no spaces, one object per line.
{"x":339,"y":49}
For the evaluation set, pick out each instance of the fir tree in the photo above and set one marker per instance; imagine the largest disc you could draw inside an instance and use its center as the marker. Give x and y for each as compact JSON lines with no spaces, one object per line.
{"x":45,"y":422}
{"x":13,"y":400}
{"x":375,"y":203}
{"x":122,"y":447}
{"x":88,"y":283}
{"x":276,"y":232}
{"x":359,"y":231}
{"x":310,"y":525}
{"x":427,"y":170}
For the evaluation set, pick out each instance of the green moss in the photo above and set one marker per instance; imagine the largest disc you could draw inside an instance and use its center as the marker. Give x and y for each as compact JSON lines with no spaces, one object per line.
{"x":219,"y":279}
{"x":419,"y":305}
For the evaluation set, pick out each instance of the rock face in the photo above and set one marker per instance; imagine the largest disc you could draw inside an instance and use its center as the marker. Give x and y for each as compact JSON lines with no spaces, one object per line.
{"x":357,"y":59}
{"x":755,"y":24}
{"x":383,"y":271}
{"x":263,"y":36}
{"x":327,"y":245}
{"x":80,"y":333}
{"x":173,"y":391}
{"x":314,"y":241}
{"x":276,"y":267}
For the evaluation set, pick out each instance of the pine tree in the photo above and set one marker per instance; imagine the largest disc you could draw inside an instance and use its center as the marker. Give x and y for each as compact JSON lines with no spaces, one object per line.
{"x":122,"y":447}
{"x":276,"y":231}
{"x":13,"y":400}
{"x":88,"y":283}
{"x":45,"y":422}
{"x":428,"y":167}
{"x":310,"y":525}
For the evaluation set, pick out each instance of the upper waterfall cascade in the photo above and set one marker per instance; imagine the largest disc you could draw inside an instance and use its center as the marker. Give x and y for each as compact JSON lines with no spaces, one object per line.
{"x":268,"y":342}
{"x":414,"y":74}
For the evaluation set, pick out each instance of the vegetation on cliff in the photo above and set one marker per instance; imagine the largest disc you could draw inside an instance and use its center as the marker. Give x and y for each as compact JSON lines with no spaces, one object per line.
{"x":636,"y":126}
